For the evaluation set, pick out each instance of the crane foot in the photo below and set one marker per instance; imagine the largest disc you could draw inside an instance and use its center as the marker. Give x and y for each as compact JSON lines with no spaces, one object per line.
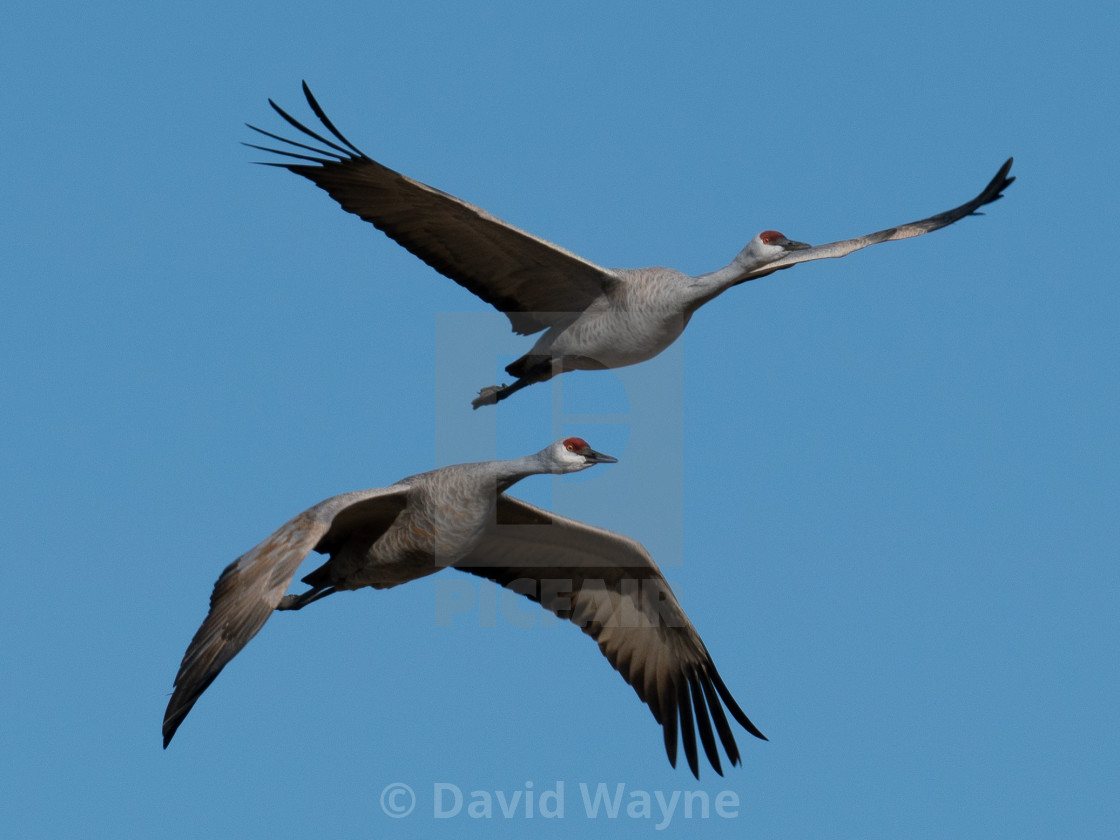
{"x":488,"y":396}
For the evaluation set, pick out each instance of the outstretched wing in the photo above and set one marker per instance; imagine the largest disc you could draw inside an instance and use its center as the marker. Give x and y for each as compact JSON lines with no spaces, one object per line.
{"x":531,"y":280}
{"x":608,"y":586}
{"x":832,"y":250}
{"x":250,"y":588}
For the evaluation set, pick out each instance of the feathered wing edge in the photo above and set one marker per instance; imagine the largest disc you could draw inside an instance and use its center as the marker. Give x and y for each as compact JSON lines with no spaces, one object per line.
{"x":250,"y":588}
{"x":609,"y":586}
{"x":532,"y":281}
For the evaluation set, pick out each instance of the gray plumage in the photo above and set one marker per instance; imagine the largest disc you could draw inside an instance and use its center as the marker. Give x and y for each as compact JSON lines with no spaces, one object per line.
{"x":593,"y":317}
{"x":460,"y":516}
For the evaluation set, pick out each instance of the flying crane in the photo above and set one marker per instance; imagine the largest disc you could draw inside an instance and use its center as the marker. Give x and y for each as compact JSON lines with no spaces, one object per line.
{"x":592,"y":317}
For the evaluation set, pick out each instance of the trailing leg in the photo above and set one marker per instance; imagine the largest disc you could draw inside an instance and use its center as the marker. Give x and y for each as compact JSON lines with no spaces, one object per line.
{"x":529,"y":370}
{"x":298,"y":602}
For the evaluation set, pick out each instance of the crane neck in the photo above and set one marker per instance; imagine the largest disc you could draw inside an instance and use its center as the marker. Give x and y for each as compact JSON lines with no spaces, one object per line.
{"x":704,"y":287}
{"x":509,"y":472}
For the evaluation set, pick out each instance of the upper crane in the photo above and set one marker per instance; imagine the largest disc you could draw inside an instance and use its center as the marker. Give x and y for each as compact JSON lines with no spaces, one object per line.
{"x":594,"y":317}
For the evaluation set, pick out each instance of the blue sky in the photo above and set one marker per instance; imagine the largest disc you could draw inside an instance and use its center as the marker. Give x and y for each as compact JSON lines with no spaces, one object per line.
{"x":885,"y":488}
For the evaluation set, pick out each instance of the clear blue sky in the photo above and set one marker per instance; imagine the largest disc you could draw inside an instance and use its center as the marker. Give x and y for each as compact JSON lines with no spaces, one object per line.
{"x":885,"y":487}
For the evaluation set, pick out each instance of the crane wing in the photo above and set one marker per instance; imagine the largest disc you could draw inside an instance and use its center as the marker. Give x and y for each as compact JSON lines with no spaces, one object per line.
{"x":531,"y":280}
{"x":608,"y":586}
{"x":250,"y":587}
{"x":832,"y":250}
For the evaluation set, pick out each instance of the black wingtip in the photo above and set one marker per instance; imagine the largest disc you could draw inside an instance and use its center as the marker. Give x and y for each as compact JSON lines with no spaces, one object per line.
{"x":1001,"y":182}
{"x":325,"y":120}
{"x":703,"y":722}
{"x":733,"y":707}
{"x":324,"y":155}
{"x":688,"y":730}
{"x":177,"y":711}
{"x":170,"y":727}
{"x":667,"y":713}
{"x":345,"y":153}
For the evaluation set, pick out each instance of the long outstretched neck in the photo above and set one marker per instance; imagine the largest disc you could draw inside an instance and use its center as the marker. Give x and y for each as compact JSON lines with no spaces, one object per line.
{"x":509,"y":472}
{"x":704,"y":287}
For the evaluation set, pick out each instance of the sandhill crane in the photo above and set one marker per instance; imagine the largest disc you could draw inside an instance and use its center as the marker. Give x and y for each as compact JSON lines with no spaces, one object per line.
{"x":594,"y":317}
{"x":460,"y":516}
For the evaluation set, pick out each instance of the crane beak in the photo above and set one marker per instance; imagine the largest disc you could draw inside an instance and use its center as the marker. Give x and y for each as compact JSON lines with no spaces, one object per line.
{"x":594,"y":457}
{"x":791,"y":245}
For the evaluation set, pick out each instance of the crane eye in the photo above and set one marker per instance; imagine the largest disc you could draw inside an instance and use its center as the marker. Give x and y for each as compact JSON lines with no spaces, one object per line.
{"x":570,"y":448}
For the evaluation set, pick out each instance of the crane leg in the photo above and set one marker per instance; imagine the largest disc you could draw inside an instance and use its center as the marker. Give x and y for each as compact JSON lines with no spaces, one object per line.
{"x":528,"y":370}
{"x":298,"y":602}
{"x":492,"y":394}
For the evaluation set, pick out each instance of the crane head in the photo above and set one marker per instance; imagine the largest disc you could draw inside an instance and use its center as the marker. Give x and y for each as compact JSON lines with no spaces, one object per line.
{"x":765,"y":248}
{"x":574,"y":454}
